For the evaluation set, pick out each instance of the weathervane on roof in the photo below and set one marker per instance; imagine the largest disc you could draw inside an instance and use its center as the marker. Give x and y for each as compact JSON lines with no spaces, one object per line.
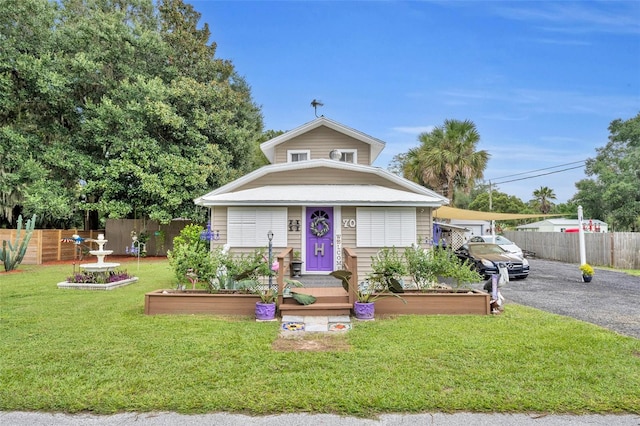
{"x":315,"y":104}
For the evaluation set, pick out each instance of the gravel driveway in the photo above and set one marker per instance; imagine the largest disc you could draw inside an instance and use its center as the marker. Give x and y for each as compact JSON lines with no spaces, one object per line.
{"x":610,"y":300}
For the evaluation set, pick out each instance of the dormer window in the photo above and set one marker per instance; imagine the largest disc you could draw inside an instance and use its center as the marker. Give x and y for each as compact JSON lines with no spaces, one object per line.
{"x":349,"y":155}
{"x":298,"y":155}
{"x":344,"y":155}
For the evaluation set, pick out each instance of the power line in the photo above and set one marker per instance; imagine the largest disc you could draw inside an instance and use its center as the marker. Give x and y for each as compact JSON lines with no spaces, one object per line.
{"x":540,"y":170}
{"x":541,"y":174}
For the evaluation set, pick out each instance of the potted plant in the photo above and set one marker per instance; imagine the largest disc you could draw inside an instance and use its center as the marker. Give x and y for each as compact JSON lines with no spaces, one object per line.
{"x":296,"y":265}
{"x":257,"y":266}
{"x":385,"y":280}
{"x":587,"y":272}
{"x":266,"y":307}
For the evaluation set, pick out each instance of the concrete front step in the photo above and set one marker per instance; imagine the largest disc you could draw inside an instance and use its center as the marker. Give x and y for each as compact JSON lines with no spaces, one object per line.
{"x":319,"y":281}
{"x":294,"y":324}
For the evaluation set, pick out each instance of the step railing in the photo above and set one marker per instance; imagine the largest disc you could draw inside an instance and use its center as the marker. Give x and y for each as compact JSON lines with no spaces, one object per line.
{"x":284,"y":259}
{"x":350,"y":257}
{"x":351,"y":264}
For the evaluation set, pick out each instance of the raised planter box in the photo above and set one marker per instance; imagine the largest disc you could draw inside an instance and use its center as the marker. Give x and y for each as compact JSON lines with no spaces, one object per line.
{"x":436,"y":302}
{"x":108,"y":286}
{"x":199,"y":302}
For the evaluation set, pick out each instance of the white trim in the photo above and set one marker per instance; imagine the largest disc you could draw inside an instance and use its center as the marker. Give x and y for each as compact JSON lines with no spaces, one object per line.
{"x":303,"y":238}
{"x":375,"y":145}
{"x":290,"y":153}
{"x":209,"y":199}
{"x":350,"y":151}
{"x":337,"y":229}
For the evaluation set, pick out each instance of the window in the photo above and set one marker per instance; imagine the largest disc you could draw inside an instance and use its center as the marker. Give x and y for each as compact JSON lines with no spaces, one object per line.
{"x":349,"y":156}
{"x":386,"y":227}
{"x":248,"y":226}
{"x":298,"y":155}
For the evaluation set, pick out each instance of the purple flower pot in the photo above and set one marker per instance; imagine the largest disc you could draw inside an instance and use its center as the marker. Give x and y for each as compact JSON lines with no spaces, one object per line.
{"x":265,"y":311}
{"x":364,"y":311}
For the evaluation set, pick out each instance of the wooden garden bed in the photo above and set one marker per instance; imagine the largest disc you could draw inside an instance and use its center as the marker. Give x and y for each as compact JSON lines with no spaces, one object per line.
{"x":199,"y":302}
{"x":435,"y":302}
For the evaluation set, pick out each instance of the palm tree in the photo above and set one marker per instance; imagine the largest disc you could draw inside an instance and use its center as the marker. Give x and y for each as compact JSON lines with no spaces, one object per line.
{"x":447,"y":158}
{"x":543,"y":197}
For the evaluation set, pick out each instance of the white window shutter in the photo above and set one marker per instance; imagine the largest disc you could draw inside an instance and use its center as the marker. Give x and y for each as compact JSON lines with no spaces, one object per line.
{"x":248,"y":226}
{"x":385,"y":227}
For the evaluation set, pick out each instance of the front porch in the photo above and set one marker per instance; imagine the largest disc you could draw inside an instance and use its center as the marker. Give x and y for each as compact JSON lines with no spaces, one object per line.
{"x":331,"y":298}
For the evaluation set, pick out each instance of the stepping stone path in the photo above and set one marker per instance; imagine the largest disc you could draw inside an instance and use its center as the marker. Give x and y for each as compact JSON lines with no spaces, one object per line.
{"x":292,"y":324}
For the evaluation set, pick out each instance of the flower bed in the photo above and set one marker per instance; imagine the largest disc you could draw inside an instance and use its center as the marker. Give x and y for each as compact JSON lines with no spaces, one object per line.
{"x":98,"y":280}
{"x":92,"y":286}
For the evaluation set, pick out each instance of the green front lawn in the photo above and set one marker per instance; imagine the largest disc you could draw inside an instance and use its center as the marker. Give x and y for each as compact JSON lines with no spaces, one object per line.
{"x":72,"y":351}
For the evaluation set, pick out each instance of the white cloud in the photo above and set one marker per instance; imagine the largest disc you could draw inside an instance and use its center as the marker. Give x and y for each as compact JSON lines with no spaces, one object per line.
{"x":414,"y":130}
{"x":578,"y":18}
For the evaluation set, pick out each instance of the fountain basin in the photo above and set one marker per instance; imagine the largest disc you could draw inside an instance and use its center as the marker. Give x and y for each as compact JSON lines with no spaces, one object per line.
{"x":102,"y":253}
{"x":87,"y":286}
{"x":99,"y":267}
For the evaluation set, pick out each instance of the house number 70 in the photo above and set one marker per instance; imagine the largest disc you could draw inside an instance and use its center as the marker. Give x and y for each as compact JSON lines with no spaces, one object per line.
{"x":348,"y":223}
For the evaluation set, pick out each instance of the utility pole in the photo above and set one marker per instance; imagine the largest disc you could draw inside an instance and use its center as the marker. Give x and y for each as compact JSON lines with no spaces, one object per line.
{"x":493,"y":222}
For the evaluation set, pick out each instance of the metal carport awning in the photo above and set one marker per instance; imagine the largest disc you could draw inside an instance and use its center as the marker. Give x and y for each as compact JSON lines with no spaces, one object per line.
{"x":446,"y":212}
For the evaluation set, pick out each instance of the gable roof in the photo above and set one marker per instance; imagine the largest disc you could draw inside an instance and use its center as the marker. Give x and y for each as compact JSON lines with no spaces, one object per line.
{"x":411,"y":193}
{"x":376,"y":145}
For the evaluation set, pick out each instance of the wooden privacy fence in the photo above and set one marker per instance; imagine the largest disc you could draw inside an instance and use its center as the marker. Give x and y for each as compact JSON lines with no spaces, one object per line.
{"x":46,"y":245}
{"x":614,"y":249}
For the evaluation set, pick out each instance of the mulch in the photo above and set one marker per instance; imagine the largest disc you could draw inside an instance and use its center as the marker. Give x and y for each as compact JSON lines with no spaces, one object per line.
{"x":118,"y":259}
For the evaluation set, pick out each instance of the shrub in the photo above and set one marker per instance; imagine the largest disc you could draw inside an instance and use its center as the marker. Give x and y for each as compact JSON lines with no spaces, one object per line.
{"x":586,"y":270}
{"x":191,"y":258}
{"x":426,"y":266}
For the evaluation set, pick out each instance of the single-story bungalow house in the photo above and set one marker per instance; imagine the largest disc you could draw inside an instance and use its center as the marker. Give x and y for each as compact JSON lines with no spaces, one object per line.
{"x":564,"y":225}
{"x":319,"y":195}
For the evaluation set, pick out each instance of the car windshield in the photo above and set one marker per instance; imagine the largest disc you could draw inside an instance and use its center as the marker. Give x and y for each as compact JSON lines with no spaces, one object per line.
{"x":480,"y":249}
{"x":502,"y":240}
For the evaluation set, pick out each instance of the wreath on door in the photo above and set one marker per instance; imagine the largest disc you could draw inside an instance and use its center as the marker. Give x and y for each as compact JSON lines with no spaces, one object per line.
{"x":319,"y":223}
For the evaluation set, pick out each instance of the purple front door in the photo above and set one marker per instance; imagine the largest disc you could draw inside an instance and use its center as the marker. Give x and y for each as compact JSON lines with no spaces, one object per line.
{"x":319,"y":253}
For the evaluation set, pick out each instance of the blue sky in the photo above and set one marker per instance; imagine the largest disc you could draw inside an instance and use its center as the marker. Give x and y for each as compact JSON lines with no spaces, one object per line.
{"x":541,"y":80}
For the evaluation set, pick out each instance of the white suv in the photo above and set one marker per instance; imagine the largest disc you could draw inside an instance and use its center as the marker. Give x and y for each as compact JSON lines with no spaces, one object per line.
{"x":503,"y":242}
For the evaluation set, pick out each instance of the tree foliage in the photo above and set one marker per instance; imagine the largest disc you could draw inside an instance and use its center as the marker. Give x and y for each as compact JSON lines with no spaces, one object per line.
{"x":446,"y":159}
{"x":500,"y":202}
{"x":543,"y":199}
{"x":613,"y":195}
{"x":123,"y":96}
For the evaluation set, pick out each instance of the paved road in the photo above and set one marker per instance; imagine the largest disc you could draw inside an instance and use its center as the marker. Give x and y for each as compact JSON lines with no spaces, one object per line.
{"x":223,"y":419}
{"x":611,"y":299}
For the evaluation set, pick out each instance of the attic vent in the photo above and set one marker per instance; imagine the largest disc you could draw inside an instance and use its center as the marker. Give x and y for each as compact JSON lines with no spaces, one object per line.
{"x":335,"y":155}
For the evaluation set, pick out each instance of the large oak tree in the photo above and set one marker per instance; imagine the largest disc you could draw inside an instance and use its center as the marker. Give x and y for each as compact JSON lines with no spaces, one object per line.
{"x":119,"y":107}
